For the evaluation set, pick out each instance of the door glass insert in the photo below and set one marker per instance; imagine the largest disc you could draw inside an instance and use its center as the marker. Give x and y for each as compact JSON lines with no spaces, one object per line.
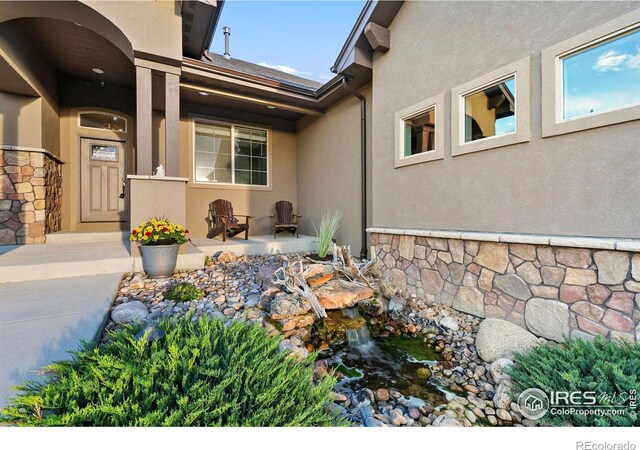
{"x":104,"y":153}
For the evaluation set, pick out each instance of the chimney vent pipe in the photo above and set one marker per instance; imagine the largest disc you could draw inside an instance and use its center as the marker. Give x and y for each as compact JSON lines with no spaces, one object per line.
{"x":227,"y":33}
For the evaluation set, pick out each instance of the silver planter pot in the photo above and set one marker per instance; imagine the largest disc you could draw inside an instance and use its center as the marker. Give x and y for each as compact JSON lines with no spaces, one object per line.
{"x":159,"y":261}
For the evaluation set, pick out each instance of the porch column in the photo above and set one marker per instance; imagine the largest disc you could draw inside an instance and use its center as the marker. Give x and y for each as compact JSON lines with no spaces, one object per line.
{"x":172,"y":124}
{"x":143,"y":121}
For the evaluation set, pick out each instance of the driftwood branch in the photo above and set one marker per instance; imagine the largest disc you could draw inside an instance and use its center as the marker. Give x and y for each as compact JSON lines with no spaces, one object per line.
{"x":343,"y":263}
{"x":293,"y":278}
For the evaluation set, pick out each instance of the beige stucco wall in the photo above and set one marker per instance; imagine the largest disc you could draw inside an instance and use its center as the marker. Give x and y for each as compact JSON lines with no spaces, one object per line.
{"x":329,"y":167}
{"x":250,"y":201}
{"x":584,"y":183}
{"x":28,"y":121}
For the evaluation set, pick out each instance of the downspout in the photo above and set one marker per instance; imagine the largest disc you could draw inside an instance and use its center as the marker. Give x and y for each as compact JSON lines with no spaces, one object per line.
{"x":363,"y":165}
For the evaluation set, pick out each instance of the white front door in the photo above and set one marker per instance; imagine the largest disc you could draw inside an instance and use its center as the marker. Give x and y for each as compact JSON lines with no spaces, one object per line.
{"x":102,"y":172}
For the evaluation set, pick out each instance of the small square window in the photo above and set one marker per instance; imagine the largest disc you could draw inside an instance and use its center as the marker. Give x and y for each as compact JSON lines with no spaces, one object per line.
{"x":591,"y":80}
{"x":419,"y":135}
{"x":491,"y":111}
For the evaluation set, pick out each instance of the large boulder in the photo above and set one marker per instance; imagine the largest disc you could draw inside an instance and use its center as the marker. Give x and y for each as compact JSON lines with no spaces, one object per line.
{"x":501,"y":339}
{"x":131,"y":312}
{"x":339,"y":294}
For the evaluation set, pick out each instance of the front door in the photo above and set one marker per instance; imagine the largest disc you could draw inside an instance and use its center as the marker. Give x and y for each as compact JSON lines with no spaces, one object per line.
{"x":102,"y":172}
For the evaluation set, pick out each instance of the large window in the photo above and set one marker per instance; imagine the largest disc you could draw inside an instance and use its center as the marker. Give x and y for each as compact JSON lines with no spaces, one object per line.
{"x":492,"y":110}
{"x":230,"y":154}
{"x":419,"y":135}
{"x":592,"y":79}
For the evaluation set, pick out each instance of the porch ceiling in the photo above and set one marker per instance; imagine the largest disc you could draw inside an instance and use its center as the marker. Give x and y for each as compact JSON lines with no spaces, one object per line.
{"x":74,"y":51}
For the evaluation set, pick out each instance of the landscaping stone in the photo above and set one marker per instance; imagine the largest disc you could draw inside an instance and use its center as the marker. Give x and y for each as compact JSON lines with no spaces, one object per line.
{"x":339,"y":294}
{"x":132,"y":312}
{"x":547,"y":318}
{"x":445,"y":421}
{"x":288,"y":305}
{"x":498,"y":369}
{"x":501,"y":339}
{"x":449,"y":323}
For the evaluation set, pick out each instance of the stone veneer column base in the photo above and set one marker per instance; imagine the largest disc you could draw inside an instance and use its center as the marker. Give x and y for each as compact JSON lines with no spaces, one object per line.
{"x":554,"y":291}
{"x":30,"y":195}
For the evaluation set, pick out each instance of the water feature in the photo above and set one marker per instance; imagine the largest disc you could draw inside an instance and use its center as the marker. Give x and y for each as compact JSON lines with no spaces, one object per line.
{"x":402,"y":363}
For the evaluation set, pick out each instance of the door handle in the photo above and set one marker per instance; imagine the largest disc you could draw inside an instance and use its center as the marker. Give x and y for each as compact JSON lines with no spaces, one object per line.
{"x":124,"y":185}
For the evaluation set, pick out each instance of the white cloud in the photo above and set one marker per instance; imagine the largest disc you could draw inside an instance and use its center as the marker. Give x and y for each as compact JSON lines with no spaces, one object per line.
{"x":610,"y":60}
{"x":285,"y":69}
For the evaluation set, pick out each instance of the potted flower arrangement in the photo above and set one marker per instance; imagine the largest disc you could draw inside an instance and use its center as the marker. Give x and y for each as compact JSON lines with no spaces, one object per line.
{"x":159,"y":241}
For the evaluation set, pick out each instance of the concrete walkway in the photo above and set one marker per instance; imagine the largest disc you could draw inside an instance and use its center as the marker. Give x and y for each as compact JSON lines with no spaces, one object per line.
{"x":41,"y":321}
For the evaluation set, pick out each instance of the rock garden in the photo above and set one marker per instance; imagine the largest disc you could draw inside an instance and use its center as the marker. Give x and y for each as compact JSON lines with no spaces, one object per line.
{"x":398,"y":360}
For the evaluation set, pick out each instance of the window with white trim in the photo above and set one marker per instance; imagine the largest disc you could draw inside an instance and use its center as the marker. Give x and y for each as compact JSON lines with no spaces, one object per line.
{"x":492,"y":110}
{"x":230,"y":154}
{"x":419,"y":135}
{"x":592,"y":79}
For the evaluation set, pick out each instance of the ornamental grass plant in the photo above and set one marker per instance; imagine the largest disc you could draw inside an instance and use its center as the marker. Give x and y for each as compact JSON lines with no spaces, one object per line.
{"x":611,"y":370}
{"x":201,"y":373}
{"x":157,"y":231}
{"x":329,"y":224}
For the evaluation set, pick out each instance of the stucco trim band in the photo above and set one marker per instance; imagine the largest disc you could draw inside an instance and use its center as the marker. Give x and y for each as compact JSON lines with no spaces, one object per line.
{"x":629,"y":245}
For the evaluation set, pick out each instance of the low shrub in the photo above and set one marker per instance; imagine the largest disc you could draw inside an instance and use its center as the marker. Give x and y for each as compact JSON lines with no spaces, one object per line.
{"x":183,"y":292}
{"x":202,"y":373}
{"x":598,"y":366}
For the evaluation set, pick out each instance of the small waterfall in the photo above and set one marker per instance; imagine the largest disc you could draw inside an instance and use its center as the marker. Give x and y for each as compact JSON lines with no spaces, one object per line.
{"x":359,"y":337}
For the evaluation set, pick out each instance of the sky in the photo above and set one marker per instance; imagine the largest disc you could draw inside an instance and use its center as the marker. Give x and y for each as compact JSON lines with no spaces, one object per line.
{"x":602,"y":77}
{"x":299,"y":37}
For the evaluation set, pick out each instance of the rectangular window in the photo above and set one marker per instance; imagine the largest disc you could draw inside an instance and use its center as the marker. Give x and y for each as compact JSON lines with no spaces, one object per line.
{"x":602,"y":78}
{"x":230,"y":154}
{"x":418,"y":132}
{"x":592,"y":79}
{"x":492,"y":111}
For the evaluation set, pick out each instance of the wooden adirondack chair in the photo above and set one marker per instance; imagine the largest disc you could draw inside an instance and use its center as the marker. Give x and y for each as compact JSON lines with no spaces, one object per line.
{"x":224,"y":221}
{"x":284,"y":219}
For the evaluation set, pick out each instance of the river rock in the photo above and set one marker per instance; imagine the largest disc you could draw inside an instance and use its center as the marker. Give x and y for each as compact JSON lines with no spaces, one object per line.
{"x":382,"y":395}
{"x":502,"y":397}
{"x":498,"y":369}
{"x":265,"y":274}
{"x":449,"y":323}
{"x":445,"y":421}
{"x":501,"y":339}
{"x":339,"y":294}
{"x":132,"y":312}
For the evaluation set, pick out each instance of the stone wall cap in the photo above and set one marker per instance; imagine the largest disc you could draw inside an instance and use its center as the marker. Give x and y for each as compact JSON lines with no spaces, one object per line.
{"x":18,"y":148}
{"x":155,"y":178}
{"x":622,"y":244}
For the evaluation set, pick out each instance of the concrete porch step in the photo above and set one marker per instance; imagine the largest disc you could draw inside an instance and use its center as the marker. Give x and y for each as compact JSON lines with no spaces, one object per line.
{"x":257,"y":245}
{"x":75,"y":237}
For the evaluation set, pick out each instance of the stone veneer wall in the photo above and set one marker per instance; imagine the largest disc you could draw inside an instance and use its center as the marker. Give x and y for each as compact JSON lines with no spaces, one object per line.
{"x":30,"y":196}
{"x":552,"y":291}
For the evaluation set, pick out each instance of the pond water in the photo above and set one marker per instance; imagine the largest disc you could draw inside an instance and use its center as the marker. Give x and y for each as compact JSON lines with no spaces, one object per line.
{"x":401,"y":362}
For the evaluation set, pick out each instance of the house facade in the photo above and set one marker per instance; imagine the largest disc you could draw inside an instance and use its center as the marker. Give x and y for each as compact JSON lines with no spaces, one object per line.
{"x":490,"y":154}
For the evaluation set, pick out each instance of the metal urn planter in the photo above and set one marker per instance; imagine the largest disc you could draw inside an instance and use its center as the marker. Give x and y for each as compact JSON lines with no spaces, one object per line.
{"x":159,"y":261}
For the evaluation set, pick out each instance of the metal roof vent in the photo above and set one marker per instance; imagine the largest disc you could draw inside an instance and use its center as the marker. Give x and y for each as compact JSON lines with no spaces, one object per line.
{"x":227,"y":33}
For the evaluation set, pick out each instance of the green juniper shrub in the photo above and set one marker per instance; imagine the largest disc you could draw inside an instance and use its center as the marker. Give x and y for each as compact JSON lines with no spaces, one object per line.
{"x":183,"y":292}
{"x":202,"y":373}
{"x":597,"y":365}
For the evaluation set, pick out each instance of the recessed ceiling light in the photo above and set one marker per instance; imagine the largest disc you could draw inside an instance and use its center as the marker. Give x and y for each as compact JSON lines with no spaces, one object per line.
{"x":271,"y":107}
{"x":98,"y":71}
{"x":203,"y":93}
